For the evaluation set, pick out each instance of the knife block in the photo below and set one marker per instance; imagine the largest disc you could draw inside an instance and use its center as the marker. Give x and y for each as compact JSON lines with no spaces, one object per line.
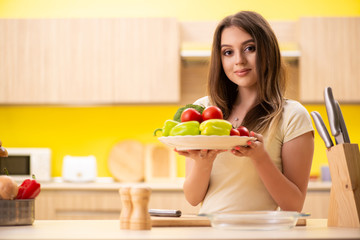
{"x":344,"y":164}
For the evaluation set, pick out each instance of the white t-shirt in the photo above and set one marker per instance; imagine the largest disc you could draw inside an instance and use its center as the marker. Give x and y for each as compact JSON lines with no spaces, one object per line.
{"x":234,"y":182}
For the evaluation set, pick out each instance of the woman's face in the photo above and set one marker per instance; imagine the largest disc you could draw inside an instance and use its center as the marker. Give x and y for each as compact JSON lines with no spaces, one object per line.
{"x":238,"y":56}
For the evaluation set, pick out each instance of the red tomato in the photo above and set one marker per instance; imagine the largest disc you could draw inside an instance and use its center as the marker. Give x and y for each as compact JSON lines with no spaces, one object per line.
{"x":191,"y":114}
{"x":212,"y":112}
{"x":243,"y":131}
{"x":234,"y":132}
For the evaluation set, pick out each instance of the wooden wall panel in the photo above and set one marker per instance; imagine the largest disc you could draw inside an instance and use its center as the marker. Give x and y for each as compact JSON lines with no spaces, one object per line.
{"x":89,"y":60}
{"x":330,"y":56}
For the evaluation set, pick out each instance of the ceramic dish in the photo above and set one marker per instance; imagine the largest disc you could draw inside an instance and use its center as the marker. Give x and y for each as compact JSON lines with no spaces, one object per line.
{"x":204,"y":142}
{"x":257,"y":220}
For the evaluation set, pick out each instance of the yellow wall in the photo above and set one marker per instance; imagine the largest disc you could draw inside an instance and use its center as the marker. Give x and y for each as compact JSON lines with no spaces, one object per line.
{"x":181,"y":9}
{"x":80,"y":131}
{"x":95,"y":129}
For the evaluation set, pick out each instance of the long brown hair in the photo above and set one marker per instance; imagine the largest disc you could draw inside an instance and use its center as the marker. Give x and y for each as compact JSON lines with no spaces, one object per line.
{"x":270,"y":71}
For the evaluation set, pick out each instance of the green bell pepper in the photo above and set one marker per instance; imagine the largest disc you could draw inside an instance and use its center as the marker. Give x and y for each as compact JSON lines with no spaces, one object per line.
{"x":186,"y":128}
{"x":215,"y":127}
{"x":168,"y":125}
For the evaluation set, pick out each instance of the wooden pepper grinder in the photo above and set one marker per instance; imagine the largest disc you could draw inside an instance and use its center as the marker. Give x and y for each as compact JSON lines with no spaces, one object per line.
{"x":140,"y":217}
{"x":126,"y":207}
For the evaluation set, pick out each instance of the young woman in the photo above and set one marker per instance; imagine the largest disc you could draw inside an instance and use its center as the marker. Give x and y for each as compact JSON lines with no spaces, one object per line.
{"x":247,"y":82}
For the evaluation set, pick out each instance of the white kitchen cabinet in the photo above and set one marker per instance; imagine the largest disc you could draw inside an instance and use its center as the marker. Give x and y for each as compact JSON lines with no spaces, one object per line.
{"x":89,"y":61}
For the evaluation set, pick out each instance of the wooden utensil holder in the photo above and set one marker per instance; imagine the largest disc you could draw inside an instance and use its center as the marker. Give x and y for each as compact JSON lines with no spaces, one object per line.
{"x":344,"y":164}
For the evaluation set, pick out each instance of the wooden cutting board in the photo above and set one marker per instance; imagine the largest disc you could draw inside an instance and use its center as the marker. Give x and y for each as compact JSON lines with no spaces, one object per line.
{"x":126,"y":161}
{"x":193,"y":221}
{"x":183,"y":221}
{"x":160,"y":163}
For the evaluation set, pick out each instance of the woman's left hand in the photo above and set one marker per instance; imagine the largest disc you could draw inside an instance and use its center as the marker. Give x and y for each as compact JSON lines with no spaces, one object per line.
{"x":254,"y":149}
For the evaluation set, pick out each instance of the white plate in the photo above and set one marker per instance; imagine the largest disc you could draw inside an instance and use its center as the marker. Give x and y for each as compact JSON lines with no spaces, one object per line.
{"x":205,"y":142}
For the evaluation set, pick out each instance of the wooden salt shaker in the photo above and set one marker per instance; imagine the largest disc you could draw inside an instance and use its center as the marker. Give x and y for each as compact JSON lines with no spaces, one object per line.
{"x":126,"y":207}
{"x":140,"y":217}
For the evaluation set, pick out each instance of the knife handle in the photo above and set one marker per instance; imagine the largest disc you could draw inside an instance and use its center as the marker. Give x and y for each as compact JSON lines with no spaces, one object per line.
{"x":321,"y":128}
{"x":164,"y":213}
{"x":331,"y":110}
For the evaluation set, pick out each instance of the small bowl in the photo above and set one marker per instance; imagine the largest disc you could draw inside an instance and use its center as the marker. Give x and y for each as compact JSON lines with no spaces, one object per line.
{"x":17,"y":212}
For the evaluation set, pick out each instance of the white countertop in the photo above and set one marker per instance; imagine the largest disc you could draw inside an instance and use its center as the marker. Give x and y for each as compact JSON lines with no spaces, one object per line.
{"x":172,"y":185}
{"x":110,"y":229}
{"x":319,"y":185}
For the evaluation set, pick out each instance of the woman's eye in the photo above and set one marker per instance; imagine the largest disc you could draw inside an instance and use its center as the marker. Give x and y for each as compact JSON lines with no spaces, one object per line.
{"x":250,"y":48}
{"x":227,"y":52}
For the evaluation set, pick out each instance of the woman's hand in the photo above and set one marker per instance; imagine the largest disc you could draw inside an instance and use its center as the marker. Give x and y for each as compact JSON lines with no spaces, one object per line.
{"x":254,"y":149}
{"x":203,"y":156}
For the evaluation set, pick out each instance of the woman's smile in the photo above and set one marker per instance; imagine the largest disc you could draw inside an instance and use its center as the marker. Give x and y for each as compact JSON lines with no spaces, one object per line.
{"x":242,"y":72}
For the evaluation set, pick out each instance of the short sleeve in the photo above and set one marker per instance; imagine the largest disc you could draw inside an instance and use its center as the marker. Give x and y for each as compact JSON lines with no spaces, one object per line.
{"x":204,"y":101}
{"x":297,"y":120}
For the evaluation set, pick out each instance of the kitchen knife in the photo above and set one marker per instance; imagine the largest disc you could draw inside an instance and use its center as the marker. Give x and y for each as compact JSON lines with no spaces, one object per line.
{"x":333,"y":115}
{"x":321,"y":128}
{"x":164,"y":213}
{"x":343,"y":128}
